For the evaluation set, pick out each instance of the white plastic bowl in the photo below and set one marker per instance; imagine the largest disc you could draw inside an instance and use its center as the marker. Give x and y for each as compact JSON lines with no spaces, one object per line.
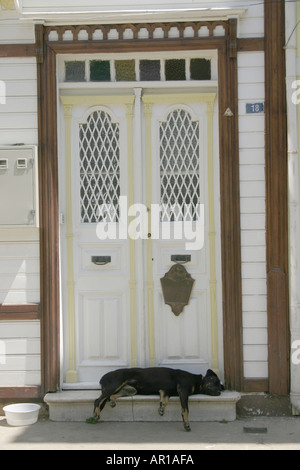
{"x":22,"y":414}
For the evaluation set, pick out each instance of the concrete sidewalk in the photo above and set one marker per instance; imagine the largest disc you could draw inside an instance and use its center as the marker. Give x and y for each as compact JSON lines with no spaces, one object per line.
{"x":243,"y":434}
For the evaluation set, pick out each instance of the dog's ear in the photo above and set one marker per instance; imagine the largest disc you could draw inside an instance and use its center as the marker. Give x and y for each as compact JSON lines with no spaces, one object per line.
{"x":210,"y":373}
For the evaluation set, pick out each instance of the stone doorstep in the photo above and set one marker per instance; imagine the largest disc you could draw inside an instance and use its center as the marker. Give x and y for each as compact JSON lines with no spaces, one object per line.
{"x":78,"y":406}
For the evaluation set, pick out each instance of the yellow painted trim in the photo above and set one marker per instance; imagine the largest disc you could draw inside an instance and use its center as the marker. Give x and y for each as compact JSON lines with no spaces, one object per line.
{"x":212,"y":241}
{"x":150,"y":283}
{"x":177,"y":98}
{"x":132,"y":271}
{"x":7,"y":4}
{"x":71,"y":376}
{"x":97,"y":100}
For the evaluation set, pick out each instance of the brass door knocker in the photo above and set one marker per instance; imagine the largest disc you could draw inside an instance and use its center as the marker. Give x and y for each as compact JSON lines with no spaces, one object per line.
{"x":177,"y":286}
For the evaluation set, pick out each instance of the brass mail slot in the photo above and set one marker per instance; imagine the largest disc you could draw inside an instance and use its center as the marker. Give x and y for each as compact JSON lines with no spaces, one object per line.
{"x":181,"y":258}
{"x":101,"y":260}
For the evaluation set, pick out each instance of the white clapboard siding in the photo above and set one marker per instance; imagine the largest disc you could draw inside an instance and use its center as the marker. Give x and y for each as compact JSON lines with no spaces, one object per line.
{"x":18,"y":116}
{"x":253,"y":215}
{"x":251,"y":24}
{"x":13,"y":32}
{"x":19,"y":273}
{"x":19,"y":260}
{"x":20,"y":362}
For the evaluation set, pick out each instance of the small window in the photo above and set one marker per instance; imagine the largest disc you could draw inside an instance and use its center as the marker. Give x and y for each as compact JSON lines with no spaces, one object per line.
{"x":125,"y":71}
{"x":200,"y":69}
{"x":133,"y":70}
{"x":100,"y":71}
{"x":175,"y":69}
{"x":75,"y":71}
{"x":150,"y":70}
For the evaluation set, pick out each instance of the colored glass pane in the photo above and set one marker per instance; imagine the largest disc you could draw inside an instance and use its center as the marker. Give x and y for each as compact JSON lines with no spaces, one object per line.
{"x":125,"y":71}
{"x":100,"y":71}
{"x":75,"y":71}
{"x":150,"y":70}
{"x":175,"y":69}
{"x":200,"y":69}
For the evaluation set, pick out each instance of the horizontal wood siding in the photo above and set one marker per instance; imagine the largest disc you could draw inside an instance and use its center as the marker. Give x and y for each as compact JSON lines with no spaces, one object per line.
{"x":253,"y":216}
{"x":13,"y":32}
{"x":19,"y":273}
{"x":18,"y":117}
{"x":20,"y":362}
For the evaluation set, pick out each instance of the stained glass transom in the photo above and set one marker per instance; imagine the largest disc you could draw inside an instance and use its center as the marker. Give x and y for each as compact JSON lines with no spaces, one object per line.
{"x":125,"y":70}
{"x":99,"y":169}
{"x":136,"y":70}
{"x":175,"y":69}
{"x":100,"y":71}
{"x":150,"y":70}
{"x":180,"y":167}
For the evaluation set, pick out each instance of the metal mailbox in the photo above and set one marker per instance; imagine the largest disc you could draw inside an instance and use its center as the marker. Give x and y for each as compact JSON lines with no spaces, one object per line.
{"x":18,"y":186}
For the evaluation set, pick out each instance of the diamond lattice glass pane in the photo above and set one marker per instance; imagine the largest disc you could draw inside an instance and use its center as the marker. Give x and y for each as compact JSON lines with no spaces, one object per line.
{"x":179,"y":167}
{"x":99,"y":169}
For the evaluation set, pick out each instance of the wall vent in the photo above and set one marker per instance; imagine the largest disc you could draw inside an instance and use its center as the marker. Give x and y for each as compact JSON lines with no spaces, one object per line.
{"x":3,"y":164}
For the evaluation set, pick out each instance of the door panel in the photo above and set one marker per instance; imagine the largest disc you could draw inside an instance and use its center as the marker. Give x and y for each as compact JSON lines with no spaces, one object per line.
{"x":98,"y":270}
{"x":177,"y":128}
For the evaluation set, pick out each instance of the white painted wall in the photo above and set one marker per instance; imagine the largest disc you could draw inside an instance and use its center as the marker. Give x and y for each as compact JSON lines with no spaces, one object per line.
{"x":253,"y":215}
{"x":20,"y":353}
{"x":18,"y":117}
{"x":19,"y":247}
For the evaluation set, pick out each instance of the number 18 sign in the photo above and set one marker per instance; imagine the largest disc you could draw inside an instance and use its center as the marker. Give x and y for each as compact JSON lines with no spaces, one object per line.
{"x":255,"y":108}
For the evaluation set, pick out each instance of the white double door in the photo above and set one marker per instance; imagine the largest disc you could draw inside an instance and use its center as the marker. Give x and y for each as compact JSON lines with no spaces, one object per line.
{"x":140,"y":195}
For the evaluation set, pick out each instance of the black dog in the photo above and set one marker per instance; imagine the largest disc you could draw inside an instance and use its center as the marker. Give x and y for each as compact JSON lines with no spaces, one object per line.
{"x":153,"y":381}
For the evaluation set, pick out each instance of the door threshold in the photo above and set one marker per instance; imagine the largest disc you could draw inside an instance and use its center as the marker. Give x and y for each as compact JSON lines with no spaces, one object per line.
{"x":81,"y":386}
{"x":79,"y":405}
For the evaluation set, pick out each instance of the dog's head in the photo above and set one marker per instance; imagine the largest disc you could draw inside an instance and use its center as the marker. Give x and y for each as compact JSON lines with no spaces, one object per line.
{"x":211,"y":384}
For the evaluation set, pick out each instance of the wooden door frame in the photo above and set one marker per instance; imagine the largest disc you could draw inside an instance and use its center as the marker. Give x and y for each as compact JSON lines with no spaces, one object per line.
{"x":227,"y":47}
{"x":277,"y":199}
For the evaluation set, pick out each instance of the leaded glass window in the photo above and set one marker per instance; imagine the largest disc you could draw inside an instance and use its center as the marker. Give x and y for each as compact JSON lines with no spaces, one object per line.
{"x":150,"y":70}
{"x":175,"y":69}
{"x":200,"y":69}
{"x":125,"y":70}
{"x":100,"y":71}
{"x":179,"y":167}
{"x":99,"y":168}
{"x":135,"y":70}
{"x":75,"y":71}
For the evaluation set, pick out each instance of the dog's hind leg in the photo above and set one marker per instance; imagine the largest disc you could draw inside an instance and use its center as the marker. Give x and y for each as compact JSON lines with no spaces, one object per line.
{"x":184,"y":399}
{"x":126,"y":391}
{"x":100,"y":404}
{"x":164,"y":400}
